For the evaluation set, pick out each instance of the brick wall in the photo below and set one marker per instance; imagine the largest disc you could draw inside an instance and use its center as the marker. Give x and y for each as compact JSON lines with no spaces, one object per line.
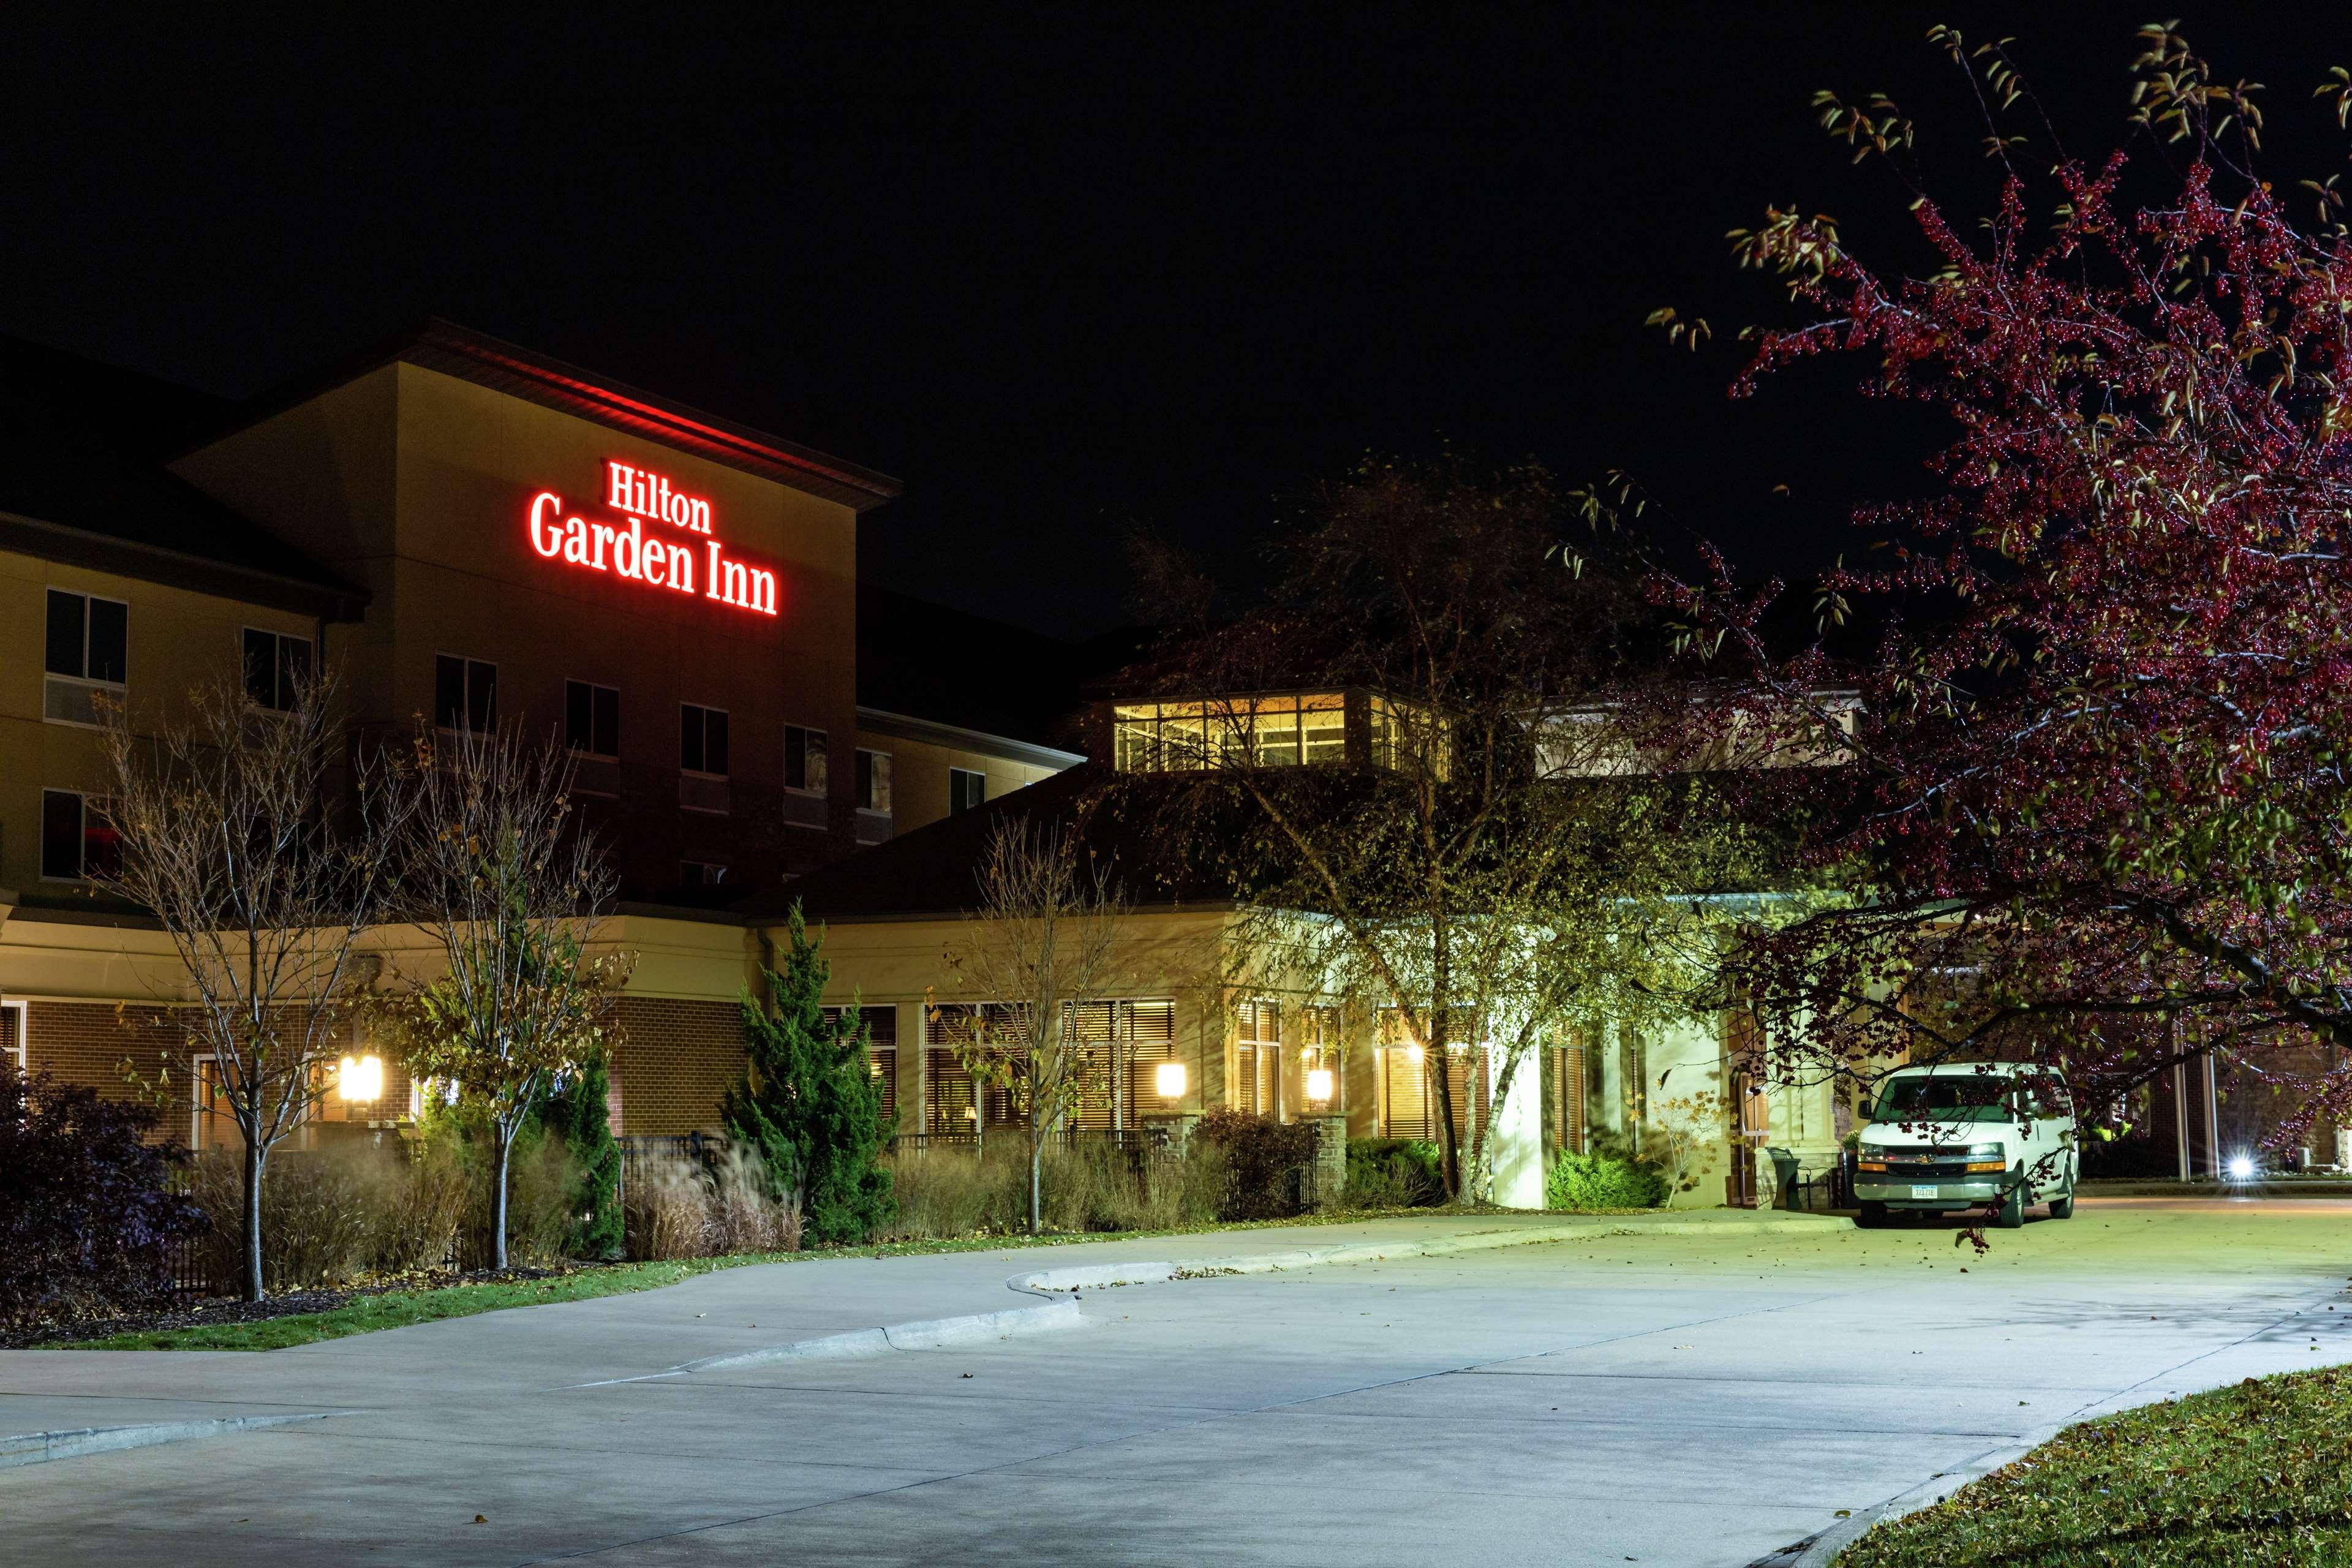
{"x":673,"y":1062}
{"x":87,"y":1043}
{"x":90,"y":1044}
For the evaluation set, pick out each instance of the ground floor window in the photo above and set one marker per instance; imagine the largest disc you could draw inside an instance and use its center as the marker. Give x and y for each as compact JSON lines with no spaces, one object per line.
{"x":1121,"y":1046}
{"x":881,"y":1025}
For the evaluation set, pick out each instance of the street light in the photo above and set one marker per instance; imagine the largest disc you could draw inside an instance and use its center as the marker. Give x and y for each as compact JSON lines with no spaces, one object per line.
{"x":2242,"y":1168}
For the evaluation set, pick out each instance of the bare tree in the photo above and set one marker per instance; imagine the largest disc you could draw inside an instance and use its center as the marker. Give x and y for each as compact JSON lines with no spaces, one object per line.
{"x":495,"y":868}
{"x":1041,"y":942}
{"x":228,"y":835}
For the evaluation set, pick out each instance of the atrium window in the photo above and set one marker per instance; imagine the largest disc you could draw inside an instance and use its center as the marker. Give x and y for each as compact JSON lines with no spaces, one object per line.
{"x":1284,"y":731}
{"x":873,"y":782}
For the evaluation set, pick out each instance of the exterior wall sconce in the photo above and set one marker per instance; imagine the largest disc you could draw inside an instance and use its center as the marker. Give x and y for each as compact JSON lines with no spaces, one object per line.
{"x":359,"y":1081}
{"x":1319,"y":1083}
{"x":1414,"y":1053}
{"x":1168,"y":1080}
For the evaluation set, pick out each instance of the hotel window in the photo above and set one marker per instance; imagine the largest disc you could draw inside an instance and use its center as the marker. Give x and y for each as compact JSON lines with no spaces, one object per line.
{"x":1243,"y":731}
{"x":88,"y":654}
{"x":78,"y":839}
{"x":966,"y":791}
{"x":701,"y":873}
{"x":873,"y":782}
{"x":591,"y":719}
{"x":465,"y":694}
{"x":804,"y":760}
{"x":12,"y":1033}
{"x":276,"y":666}
{"x":702,"y":739}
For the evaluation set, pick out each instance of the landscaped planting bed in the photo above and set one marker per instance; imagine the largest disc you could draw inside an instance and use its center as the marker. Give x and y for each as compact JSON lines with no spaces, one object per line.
{"x":2257,"y":1474}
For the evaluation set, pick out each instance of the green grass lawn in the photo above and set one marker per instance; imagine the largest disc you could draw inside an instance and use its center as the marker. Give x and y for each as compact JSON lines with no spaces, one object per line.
{"x":2257,"y":1474}
{"x":397,"y":1308}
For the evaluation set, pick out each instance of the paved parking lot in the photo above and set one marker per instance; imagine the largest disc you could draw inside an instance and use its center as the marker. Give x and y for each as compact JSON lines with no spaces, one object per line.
{"x":1691,"y":1400}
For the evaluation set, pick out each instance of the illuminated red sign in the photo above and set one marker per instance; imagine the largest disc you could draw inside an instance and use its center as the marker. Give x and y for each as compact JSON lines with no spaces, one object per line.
{"x":634,"y":545}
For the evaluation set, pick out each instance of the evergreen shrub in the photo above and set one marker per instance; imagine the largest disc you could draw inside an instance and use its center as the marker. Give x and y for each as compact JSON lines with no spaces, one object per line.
{"x":1601,"y":1181}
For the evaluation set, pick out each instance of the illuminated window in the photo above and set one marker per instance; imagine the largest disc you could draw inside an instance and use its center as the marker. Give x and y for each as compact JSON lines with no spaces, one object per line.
{"x":1227,"y":733}
{"x":1408,"y":738}
{"x":465,"y":694}
{"x":591,"y":719}
{"x":276,"y":666}
{"x":702,"y":739}
{"x":873,"y":782}
{"x":78,"y":840}
{"x":967,"y":791}
{"x":805,"y":770}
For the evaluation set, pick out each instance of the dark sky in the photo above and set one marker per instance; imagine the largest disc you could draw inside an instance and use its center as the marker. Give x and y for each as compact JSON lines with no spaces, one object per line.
{"x":1059,"y":271}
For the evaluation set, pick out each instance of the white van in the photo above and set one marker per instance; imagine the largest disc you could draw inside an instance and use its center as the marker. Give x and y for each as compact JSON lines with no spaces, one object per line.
{"x":1964,"y":1135}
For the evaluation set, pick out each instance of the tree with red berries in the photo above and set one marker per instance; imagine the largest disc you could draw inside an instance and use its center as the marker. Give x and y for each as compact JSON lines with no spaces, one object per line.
{"x":2096,"y":809}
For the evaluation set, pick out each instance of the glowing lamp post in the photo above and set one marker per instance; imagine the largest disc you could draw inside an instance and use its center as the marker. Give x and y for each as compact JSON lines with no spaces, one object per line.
{"x":1168,"y":1080}
{"x":1319,"y":1083}
{"x":359,"y":1080}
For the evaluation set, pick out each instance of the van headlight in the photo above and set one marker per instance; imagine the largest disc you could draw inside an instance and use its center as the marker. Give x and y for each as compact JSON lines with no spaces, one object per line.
{"x":1987,"y":1157}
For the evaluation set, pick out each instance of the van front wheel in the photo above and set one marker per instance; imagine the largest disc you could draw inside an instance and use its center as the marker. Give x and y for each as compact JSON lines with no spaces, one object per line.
{"x":2063,"y":1208}
{"x":1870,"y":1216}
{"x":2012,"y":1209}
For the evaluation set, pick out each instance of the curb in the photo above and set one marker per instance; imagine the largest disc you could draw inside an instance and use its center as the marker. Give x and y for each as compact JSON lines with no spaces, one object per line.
{"x":1101,"y":1275}
{"x":40,"y":1447}
{"x":1825,"y":1549}
{"x":935,"y":1333}
{"x":941,"y":1333}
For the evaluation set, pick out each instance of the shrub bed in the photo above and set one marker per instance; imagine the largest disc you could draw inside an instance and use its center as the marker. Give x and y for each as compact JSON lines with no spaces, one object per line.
{"x":1394,"y":1173}
{"x":1589,"y":1181}
{"x":86,"y":1218}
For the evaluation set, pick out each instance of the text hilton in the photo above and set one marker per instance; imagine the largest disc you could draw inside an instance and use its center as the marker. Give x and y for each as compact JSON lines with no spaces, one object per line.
{"x":629,"y":552}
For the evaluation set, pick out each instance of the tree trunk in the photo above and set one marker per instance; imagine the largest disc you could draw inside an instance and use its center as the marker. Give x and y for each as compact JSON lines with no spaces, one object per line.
{"x":254,"y":1156}
{"x":1037,"y":1160}
{"x":504,"y":1140}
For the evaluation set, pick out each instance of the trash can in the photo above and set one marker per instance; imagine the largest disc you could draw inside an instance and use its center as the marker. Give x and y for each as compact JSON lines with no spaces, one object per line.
{"x":1784,"y":1178}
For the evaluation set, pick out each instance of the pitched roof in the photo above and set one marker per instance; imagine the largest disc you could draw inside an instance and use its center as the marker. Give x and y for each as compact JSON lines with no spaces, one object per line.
{"x":81,"y":483}
{"x":933,"y":871}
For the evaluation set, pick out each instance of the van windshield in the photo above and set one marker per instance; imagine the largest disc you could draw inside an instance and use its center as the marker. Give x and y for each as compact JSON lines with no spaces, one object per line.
{"x":1966,"y":1097}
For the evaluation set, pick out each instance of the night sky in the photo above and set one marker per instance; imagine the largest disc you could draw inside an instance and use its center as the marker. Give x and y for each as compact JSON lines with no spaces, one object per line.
{"x":1060,"y":273}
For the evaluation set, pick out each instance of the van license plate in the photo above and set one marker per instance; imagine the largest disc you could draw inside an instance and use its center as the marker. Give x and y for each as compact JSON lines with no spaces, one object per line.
{"x":1923,"y":1192}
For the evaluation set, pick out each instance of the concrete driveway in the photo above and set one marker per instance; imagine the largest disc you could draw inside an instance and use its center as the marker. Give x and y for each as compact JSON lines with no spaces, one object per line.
{"x":1683,"y":1400}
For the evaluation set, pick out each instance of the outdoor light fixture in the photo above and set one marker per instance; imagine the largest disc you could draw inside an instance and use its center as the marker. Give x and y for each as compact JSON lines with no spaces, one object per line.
{"x":1413,"y":1052}
{"x":2240,"y":1168}
{"x":359,"y":1080}
{"x":1319,"y":1083}
{"x":1168,"y":1080}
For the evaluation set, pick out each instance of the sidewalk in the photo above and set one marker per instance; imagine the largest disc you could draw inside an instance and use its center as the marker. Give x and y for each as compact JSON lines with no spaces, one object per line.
{"x":828,"y":1307}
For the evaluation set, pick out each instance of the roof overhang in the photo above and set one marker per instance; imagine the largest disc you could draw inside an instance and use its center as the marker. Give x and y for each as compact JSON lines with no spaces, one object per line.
{"x":73,"y":547}
{"x":485,"y":361}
